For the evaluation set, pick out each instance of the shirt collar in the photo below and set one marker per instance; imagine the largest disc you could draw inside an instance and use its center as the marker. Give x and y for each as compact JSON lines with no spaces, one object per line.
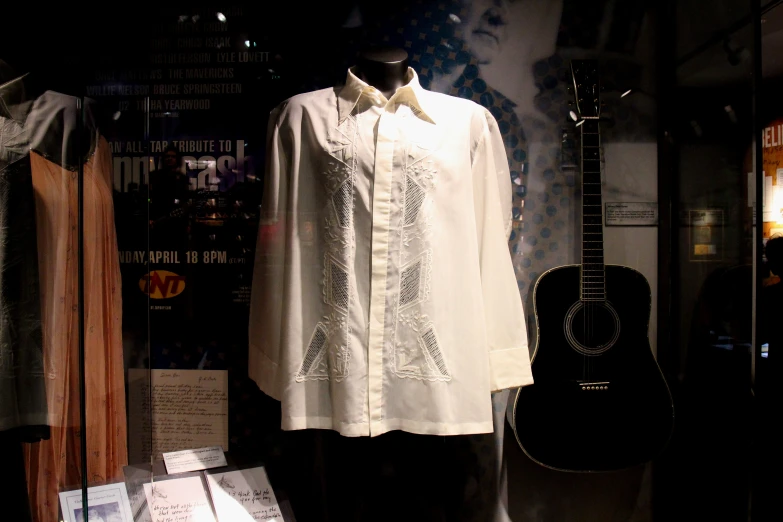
{"x":412,"y":93}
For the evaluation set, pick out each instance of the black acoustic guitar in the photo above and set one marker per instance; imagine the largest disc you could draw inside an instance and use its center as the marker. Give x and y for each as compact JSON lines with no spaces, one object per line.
{"x":599,"y":401}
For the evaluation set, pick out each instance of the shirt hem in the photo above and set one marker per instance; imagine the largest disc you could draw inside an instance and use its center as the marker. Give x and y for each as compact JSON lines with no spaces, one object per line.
{"x":362,"y":429}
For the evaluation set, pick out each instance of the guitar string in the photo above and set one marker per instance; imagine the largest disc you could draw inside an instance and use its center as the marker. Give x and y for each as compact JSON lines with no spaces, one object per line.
{"x":583,"y":268}
{"x":592,"y":303}
{"x":591,"y":326}
{"x":589,"y":261}
{"x":585,"y":302}
{"x":589,"y":316}
{"x":590,"y":295}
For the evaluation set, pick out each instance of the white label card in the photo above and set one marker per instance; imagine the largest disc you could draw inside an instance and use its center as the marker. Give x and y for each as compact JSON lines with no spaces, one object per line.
{"x":108,"y":503}
{"x":631,"y":214}
{"x":178,"y":500}
{"x":194,"y":459}
{"x":244,"y":496}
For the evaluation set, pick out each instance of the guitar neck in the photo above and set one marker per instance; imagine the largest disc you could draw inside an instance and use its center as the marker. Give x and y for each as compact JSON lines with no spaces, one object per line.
{"x":593,"y":273}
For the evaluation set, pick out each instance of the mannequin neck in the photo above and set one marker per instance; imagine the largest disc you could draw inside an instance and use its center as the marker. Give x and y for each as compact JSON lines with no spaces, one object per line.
{"x":384,"y":68}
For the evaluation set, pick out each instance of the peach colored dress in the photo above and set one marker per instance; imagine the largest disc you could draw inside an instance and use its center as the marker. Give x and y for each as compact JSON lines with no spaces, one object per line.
{"x":54,"y":465}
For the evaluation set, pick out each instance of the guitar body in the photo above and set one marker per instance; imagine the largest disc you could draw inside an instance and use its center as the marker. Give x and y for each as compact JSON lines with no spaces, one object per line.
{"x":599,"y":401}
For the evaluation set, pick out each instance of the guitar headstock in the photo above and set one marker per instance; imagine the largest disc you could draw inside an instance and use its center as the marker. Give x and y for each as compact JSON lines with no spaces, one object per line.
{"x":587,"y":88}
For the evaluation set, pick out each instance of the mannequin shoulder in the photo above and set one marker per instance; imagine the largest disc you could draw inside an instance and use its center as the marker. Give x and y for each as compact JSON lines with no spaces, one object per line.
{"x":320,"y":100}
{"x":452,"y":109}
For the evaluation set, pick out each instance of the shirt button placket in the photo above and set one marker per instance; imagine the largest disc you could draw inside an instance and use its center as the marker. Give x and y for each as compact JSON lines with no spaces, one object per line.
{"x":384,"y":154}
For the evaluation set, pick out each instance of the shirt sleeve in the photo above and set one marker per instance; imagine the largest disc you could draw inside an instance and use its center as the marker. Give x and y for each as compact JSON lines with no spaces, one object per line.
{"x":509,"y":359}
{"x":266,"y":301}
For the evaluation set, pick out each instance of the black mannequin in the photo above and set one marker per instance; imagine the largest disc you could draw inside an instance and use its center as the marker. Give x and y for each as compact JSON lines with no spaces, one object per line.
{"x":383,"y":67}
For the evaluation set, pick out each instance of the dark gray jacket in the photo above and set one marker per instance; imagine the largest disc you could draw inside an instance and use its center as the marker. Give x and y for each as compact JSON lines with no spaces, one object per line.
{"x":23,"y":409}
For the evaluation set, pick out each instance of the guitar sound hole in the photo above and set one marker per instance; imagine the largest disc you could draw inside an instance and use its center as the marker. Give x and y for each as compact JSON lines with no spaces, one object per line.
{"x":592,"y":328}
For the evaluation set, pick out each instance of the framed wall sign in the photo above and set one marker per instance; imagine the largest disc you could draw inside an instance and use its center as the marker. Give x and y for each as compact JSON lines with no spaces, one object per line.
{"x":706,"y":235}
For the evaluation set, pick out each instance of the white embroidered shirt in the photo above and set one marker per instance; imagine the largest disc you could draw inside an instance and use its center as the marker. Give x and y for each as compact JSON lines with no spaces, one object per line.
{"x":384,"y":296}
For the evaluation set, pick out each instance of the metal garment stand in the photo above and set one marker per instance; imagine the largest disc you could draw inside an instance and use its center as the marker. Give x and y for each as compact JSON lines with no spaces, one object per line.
{"x":758,"y":170}
{"x":668,"y":288}
{"x":80,"y":296}
{"x":757,"y":11}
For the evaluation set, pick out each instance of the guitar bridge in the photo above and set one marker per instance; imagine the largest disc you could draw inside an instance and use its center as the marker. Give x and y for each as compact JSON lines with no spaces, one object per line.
{"x":594,"y":386}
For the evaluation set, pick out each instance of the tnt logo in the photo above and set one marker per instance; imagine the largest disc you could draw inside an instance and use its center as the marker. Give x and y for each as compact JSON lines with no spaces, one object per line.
{"x":161,"y":284}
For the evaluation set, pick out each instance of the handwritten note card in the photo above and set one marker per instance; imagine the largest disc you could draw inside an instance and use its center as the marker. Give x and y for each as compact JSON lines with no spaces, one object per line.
{"x":185,"y":409}
{"x":244,"y":496}
{"x":194,"y":459}
{"x":178,"y":500}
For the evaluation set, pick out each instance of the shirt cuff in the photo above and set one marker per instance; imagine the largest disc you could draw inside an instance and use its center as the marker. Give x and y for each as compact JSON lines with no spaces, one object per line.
{"x":264,"y":372}
{"x":509,"y":369}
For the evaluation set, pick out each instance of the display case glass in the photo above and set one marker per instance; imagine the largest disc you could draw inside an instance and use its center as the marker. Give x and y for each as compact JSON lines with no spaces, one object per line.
{"x":256,"y":268}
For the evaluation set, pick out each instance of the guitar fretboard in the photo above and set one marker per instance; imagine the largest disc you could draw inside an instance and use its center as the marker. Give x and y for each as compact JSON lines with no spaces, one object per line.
{"x":593,"y":283}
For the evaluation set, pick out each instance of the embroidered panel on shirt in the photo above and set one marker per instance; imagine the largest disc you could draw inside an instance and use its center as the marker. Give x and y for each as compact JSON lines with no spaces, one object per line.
{"x":417,"y":214}
{"x":414,"y":198}
{"x":338,"y":181}
{"x":337,"y":290}
{"x":429,"y":342}
{"x":416,"y":350}
{"x":327,"y":352}
{"x":421,"y":358}
{"x":339,"y":142}
{"x":411,"y":357}
{"x":342,"y":203}
{"x":339,"y":357}
{"x":415,"y":280}
{"x":410,"y":282}
{"x":329,"y":345}
{"x":314,"y":366}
